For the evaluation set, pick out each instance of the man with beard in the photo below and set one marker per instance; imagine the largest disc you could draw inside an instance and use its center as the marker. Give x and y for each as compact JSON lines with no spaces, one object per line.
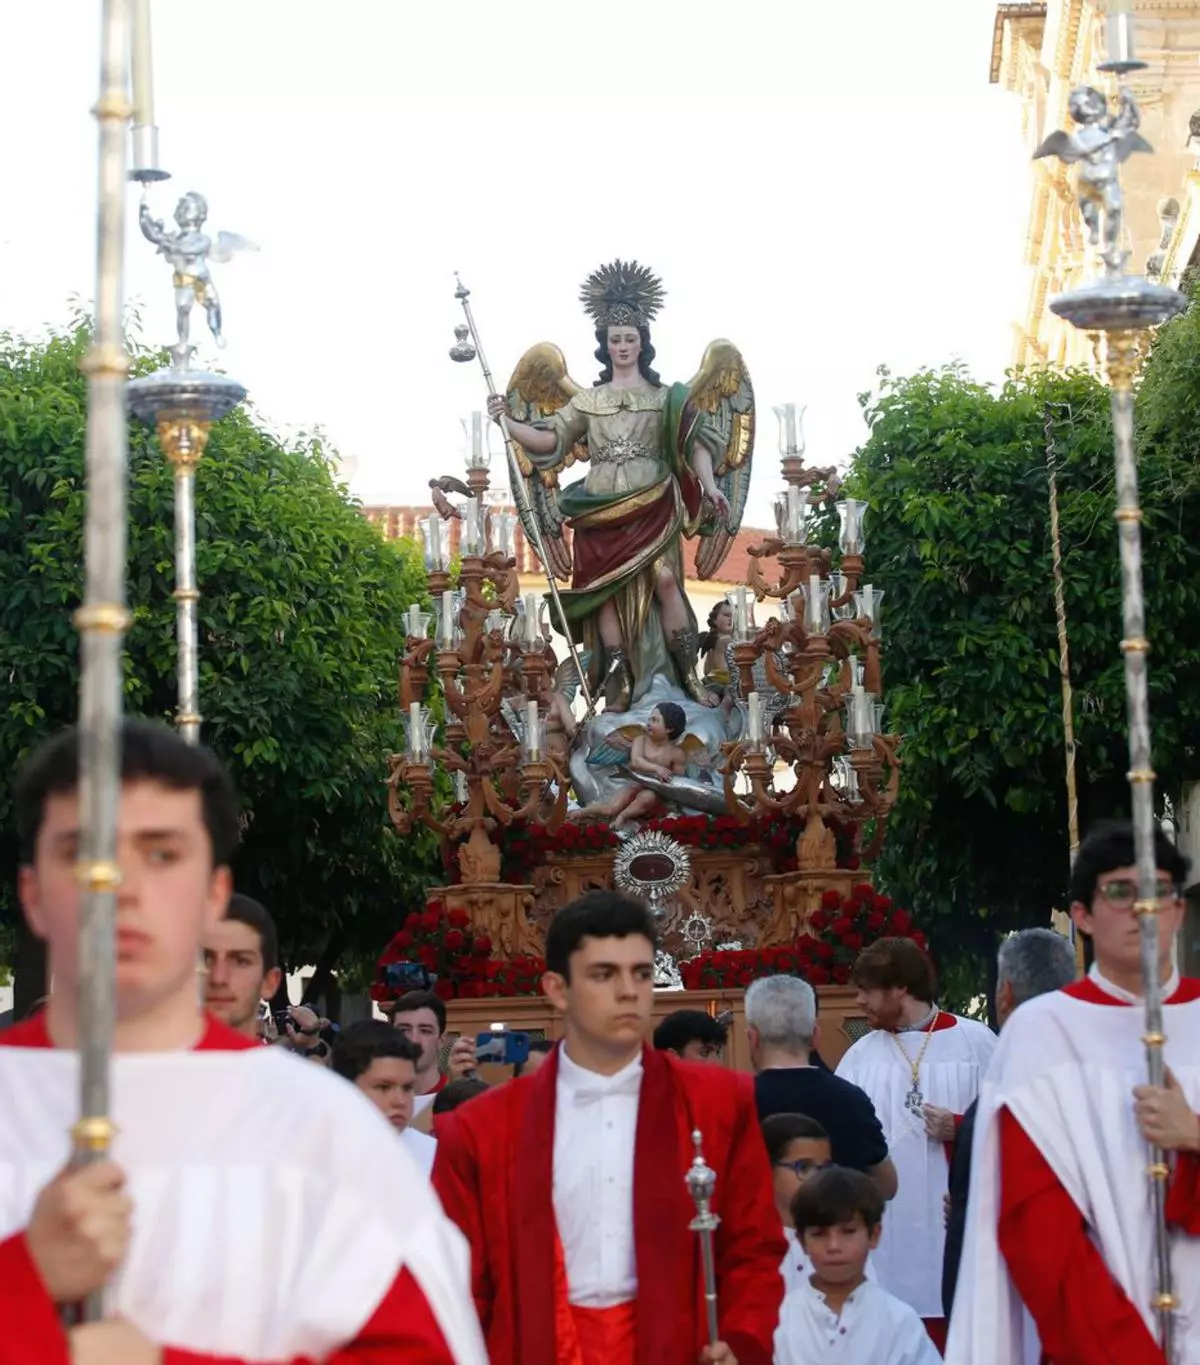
{"x":921,"y":1068}
{"x":570,"y":1184}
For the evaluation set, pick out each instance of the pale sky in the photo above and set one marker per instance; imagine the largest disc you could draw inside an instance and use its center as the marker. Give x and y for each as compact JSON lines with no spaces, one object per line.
{"x":832,"y":186}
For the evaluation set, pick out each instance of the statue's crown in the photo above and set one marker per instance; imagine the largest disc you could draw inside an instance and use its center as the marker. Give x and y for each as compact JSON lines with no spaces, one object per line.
{"x":623,"y":294}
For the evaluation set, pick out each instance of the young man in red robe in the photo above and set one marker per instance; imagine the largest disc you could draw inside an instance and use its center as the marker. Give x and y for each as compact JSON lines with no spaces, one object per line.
{"x":570,"y":1184}
{"x":254,"y":1208}
{"x":1059,"y":1256}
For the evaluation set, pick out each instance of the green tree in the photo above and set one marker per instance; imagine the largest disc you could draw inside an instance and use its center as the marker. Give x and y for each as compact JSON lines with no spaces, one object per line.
{"x":958,"y":536}
{"x":300,"y":631}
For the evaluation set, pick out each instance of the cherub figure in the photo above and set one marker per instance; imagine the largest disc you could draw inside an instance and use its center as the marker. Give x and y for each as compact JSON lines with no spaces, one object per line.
{"x":713,"y":644}
{"x":189,"y":250}
{"x":1101,"y":143}
{"x":654,"y":753}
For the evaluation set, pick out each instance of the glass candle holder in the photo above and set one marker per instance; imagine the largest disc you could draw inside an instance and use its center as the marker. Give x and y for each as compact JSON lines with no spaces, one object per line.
{"x":418,"y":733}
{"x":860,"y":719}
{"x":449,"y":632}
{"x":504,"y":534}
{"x":867,"y":604}
{"x":791,"y":515}
{"x":434,"y":540}
{"x":479,"y":456}
{"x":739,"y":600}
{"x":416,"y":622}
{"x":791,"y":429}
{"x":851,"y":513}
{"x":816,"y":605}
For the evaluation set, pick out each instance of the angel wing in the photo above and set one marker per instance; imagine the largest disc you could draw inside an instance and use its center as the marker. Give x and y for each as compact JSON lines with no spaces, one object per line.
{"x":539,"y":386}
{"x":228,"y":244}
{"x":614,"y":749}
{"x":566,"y":675}
{"x":1066,"y":146}
{"x":722,"y":390}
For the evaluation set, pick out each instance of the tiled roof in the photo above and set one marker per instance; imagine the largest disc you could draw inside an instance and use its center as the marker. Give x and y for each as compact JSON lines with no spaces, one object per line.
{"x":403,"y":521}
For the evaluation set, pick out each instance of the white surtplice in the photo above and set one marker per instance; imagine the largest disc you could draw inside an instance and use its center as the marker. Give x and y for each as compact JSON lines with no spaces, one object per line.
{"x":908,"y":1261}
{"x":873,"y":1328}
{"x":274,"y":1206}
{"x":1066,"y":1069}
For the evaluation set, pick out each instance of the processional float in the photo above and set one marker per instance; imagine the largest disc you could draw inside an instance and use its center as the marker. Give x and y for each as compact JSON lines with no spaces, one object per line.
{"x":1119,"y":310}
{"x":181,"y":403}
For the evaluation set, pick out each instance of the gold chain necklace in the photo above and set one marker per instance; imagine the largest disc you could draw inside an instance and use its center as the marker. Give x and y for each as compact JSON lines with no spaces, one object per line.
{"x":914,"y":1100}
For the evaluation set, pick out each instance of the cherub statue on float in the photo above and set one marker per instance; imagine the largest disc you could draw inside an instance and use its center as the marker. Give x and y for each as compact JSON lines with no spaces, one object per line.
{"x":665,"y":462}
{"x":189,"y":251}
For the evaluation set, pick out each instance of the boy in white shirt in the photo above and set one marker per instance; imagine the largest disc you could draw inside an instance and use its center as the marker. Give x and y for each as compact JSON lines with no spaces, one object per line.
{"x":382,"y":1063}
{"x":837,"y":1314}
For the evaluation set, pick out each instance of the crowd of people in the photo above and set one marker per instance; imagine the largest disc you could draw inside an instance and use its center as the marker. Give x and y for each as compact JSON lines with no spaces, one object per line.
{"x":943,"y":1192}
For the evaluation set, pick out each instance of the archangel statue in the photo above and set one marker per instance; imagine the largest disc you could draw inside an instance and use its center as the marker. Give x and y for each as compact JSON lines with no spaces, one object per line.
{"x":1102,"y":141}
{"x":665,"y":462}
{"x":189,"y":251}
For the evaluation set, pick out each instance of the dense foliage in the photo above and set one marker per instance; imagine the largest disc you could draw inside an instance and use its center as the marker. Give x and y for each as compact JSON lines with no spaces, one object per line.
{"x":300,"y":629}
{"x":959,"y":537}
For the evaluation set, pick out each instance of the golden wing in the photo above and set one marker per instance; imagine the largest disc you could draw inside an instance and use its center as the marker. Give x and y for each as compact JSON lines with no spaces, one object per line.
{"x":539,"y":386}
{"x":722,"y":391}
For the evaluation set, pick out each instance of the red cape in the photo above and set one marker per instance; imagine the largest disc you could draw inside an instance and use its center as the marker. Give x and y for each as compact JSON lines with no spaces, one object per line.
{"x":494,"y":1171}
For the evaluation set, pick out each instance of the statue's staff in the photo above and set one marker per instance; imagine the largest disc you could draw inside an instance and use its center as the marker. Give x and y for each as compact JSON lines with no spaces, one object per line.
{"x":463,"y":352}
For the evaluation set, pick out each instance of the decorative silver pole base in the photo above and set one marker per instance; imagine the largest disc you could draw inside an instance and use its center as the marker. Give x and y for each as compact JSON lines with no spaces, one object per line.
{"x":182,"y":405}
{"x":1118,"y":303}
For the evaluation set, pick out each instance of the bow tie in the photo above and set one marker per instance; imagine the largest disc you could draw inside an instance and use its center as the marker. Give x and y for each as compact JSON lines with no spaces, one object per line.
{"x":593,"y":1092}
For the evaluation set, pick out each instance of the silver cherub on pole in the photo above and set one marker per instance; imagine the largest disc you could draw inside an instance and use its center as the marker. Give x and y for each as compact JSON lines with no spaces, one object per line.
{"x":1102,"y":141}
{"x":189,"y":251}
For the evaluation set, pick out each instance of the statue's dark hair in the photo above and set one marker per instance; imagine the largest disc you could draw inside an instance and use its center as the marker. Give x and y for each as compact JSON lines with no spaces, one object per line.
{"x":708,"y":641}
{"x":645,"y":356}
{"x":674,"y":718}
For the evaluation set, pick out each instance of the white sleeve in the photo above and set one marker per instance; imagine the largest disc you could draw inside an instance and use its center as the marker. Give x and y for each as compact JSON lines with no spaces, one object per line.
{"x":789,"y":1344}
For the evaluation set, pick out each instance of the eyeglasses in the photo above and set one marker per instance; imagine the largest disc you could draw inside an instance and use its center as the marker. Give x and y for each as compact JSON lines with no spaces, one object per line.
{"x":1121,"y":892}
{"x":805,"y":1166}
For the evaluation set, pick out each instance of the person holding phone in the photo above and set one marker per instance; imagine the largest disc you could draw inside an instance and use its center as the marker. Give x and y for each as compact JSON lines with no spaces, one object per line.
{"x":569,"y":1183}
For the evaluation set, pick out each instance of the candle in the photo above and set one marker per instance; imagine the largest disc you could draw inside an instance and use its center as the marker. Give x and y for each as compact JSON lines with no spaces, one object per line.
{"x":414,"y":620}
{"x":143,"y":69}
{"x":868,"y":601}
{"x":755,"y":719}
{"x":448,"y":619}
{"x":461,"y":793}
{"x":476,"y":437}
{"x":741,"y":616}
{"x":416,"y":732}
{"x":813,"y":624}
{"x":531,"y":731}
{"x":531,"y":618}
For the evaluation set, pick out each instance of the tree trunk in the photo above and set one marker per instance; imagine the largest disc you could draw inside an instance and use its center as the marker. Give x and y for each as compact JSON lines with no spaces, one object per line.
{"x":321,"y":981}
{"x":29,"y":973}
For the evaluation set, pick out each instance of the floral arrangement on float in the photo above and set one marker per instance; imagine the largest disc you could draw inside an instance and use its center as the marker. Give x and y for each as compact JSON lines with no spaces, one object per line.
{"x":528,"y":845}
{"x":443,"y":943}
{"x":840,"y":929}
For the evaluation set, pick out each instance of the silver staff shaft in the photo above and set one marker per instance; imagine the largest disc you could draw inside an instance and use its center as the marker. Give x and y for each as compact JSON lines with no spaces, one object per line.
{"x":528,"y":520}
{"x":1134,"y":646}
{"x":103,"y":618}
{"x":701,"y":1181}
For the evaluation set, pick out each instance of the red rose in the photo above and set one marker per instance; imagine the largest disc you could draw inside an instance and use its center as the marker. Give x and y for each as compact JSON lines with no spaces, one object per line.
{"x":919,"y":939}
{"x":443,"y":990}
{"x":427,"y":957}
{"x":455,"y":939}
{"x":818,"y":976}
{"x":840,"y":926}
{"x":830,"y":900}
{"x":482,"y":945}
{"x":876,"y":922}
{"x":745,"y":976}
{"x":819,"y":920}
{"x":853,"y":941}
{"x":403,"y":941}
{"x":883,"y":903}
{"x":459,"y":919}
{"x":901,"y":922}
{"x":823,"y":950}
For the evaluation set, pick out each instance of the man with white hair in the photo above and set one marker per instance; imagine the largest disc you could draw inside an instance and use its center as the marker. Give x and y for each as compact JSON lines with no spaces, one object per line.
{"x":781,"y":1024}
{"x":1030,"y":963}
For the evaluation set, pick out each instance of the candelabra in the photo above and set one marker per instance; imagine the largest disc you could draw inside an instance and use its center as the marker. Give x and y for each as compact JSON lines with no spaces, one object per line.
{"x":811,"y":678}
{"x":490,"y":652}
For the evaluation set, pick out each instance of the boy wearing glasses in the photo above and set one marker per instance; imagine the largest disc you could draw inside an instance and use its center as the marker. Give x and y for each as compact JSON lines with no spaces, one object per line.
{"x":1060,"y":1216}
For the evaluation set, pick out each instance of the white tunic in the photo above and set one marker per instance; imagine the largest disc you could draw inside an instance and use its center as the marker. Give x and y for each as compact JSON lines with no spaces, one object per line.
{"x":422,"y":1148}
{"x":908,"y":1261}
{"x":595,"y":1122}
{"x":1066,"y":1069}
{"x":874,"y":1328}
{"x":274,"y":1206}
